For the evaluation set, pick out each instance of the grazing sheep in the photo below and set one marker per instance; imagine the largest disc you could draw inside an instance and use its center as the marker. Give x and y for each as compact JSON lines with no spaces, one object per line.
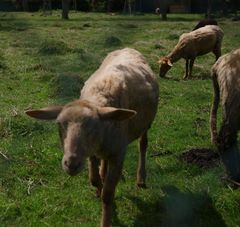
{"x":205,"y":22}
{"x":191,"y":45}
{"x":226,"y":84}
{"x":117,"y":105}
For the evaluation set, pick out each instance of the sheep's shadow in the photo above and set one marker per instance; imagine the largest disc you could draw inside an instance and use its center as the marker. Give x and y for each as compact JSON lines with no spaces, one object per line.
{"x":199,"y":76}
{"x":178,"y":208}
{"x":171,"y":78}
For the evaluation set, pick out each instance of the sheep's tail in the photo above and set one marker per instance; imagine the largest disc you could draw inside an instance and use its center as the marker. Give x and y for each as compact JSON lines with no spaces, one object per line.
{"x":214,"y":109}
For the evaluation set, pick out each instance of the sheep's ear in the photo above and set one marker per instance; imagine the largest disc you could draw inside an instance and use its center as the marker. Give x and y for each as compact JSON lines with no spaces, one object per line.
{"x":160,"y":61}
{"x":117,"y":114}
{"x":169,"y":63}
{"x":49,"y":113}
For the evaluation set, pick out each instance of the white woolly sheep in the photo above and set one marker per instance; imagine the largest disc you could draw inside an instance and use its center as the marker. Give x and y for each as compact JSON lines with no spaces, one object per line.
{"x":191,"y":45}
{"x":226,"y":84}
{"x":117,"y":105}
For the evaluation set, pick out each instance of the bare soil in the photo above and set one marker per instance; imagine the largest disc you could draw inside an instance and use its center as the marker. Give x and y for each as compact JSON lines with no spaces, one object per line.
{"x":202,"y":157}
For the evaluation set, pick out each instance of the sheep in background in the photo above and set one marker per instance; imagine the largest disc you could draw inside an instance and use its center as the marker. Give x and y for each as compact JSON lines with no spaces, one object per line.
{"x":191,"y":45}
{"x":226,"y":84}
{"x":205,"y":22}
{"x":157,"y":11}
{"x":117,"y":105}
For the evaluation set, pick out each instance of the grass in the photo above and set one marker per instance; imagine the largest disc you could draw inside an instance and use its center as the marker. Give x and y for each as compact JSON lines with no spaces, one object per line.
{"x":45,"y":60}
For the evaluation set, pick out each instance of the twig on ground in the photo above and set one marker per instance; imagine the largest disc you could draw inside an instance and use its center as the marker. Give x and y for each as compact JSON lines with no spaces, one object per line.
{"x":160,"y":154}
{"x":231,"y":181}
{"x":5,"y":156}
{"x":29,"y":185}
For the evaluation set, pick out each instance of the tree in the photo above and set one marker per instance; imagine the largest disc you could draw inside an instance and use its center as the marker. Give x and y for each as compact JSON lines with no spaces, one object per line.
{"x":209,"y":9}
{"x":164,"y":10}
{"x":25,"y":5}
{"x":75,"y":5}
{"x":65,"y":9}
{"x":163,"y":6}
{"x":128,"y":6}
{"x":47,"y":6}
{"x":94,"y":4}
{"x":110,"y":5}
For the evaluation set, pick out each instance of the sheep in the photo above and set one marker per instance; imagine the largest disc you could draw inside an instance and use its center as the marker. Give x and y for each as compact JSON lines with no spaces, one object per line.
{"x":117,"y":105}
{"x":205,"y":22}
{"x":191,"y":45}
{"x":226,"y":84}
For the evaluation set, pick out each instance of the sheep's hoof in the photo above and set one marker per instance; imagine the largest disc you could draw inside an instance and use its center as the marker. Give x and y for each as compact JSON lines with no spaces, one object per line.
{"x":141,"y":185}
{"x":98,"y":193}
{"x":187,"y":77}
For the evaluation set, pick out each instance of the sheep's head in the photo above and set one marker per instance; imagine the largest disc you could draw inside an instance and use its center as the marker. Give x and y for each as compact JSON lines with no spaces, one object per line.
{"x":81,"y":129}
{"x":165,"y":65}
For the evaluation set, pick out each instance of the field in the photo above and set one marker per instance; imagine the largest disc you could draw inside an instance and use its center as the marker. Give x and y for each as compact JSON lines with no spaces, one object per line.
{"x":44,"y":61}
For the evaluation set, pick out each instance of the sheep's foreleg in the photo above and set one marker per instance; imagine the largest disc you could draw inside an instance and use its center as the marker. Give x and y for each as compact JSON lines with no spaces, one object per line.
{"x":113,"y":174}
{"x":191,"y":66}
{"x":94,"y":177}
{"x":141,"y":172}
{"x":186,"y":72}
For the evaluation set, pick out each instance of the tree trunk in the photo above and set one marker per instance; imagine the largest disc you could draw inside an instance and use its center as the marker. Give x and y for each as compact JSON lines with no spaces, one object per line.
{"x":110,"y":6}
{"x":94,"y":5}
{"x":209,"y":9}
{"x":164,"y":11}
{"x":25,"y":5}
{"x":129,"y":7}
{"x":225,"y":7}
{"x":47,"y":6}
{"x":75,"y":5}
{"x":163,"y":5}
{"x":65,"y":9}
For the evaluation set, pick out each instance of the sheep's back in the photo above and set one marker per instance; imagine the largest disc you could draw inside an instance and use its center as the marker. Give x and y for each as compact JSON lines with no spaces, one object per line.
{"x":227,"y":70}
{"x":200,"y":41}
{"x":125,"y":80}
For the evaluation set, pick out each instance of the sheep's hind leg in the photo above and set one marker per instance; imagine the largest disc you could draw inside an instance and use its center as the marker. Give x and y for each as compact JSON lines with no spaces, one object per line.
{"x":103,"y":170}
{"x":228,"y":147}
{"x":217,"y":52}
{"x":94,"y":176}
{"x":141,"y":172}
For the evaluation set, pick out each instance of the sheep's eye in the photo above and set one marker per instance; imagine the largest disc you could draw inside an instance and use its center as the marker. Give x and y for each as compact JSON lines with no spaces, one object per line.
{"x":61,"y":132}
{"x":62,"y":125}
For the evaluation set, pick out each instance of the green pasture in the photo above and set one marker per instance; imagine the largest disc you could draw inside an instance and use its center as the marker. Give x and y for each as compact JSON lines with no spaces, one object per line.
{"x":45,"y":60}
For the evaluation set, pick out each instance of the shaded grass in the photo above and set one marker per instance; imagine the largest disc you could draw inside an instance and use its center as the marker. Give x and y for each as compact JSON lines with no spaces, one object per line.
{"x":45,"y":61}
{"x":48,"y":47}
{"x":67,"y":86}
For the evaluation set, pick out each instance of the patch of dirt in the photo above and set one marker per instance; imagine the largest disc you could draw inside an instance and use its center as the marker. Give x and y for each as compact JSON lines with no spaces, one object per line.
{"x":202,"y":157}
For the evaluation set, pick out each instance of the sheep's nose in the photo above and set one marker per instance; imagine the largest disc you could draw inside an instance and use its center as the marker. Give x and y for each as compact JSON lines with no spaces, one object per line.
{"x":72,"y":165}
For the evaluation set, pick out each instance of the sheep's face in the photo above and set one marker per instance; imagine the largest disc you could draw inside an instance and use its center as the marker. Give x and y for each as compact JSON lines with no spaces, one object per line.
{"x":165,"y":65}
{"x":81,"y":129}
{"x":78,"y":129}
